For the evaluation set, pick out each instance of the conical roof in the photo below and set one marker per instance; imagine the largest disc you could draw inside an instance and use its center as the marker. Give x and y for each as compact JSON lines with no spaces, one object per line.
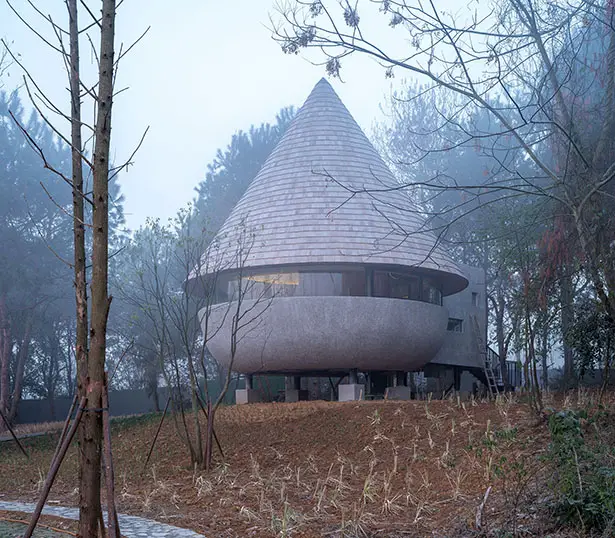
{"x":324,"y":196}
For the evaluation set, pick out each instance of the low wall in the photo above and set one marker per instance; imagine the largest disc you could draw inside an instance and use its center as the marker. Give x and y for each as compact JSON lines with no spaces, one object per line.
{"x":136,"y":402}
{"x":121,"y":402}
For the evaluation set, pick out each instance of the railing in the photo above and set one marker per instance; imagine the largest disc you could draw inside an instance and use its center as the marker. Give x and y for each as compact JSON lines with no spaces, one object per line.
{"x":512,"y":367}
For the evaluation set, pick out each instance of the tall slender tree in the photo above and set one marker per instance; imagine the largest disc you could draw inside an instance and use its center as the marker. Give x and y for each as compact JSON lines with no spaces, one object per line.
{"x":234,"y":168}
{"x":90,"y":338}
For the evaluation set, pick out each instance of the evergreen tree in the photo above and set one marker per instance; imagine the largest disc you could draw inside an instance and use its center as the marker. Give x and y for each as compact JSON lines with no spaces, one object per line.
{"x":234,"y":168}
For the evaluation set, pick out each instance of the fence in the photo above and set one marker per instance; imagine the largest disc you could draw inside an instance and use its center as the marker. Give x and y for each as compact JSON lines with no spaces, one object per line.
{"x":136,"y":402}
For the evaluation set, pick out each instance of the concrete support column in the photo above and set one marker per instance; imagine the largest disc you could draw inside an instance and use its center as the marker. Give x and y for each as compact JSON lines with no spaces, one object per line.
{"x":353,"y":376}
{"x":352,"y":390}
{"x":249,"y":394}
{"x":293,"y":392}
{"x":457,"y":378}
{"x":399,"y":390}
{"x":369,"y":284}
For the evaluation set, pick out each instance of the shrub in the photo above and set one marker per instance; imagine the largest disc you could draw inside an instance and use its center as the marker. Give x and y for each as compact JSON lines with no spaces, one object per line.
{"x":584,"y":478}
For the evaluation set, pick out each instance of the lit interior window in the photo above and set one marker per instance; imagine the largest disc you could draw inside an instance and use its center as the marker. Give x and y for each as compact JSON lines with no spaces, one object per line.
{"x":288,"y":279}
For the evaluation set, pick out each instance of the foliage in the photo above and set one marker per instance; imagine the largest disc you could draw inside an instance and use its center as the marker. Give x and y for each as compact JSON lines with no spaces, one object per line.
{"x":234,"y":168}
{"x":489,"y":227}
{"x":592,"y":337}
{"x":35,"y":254}
{"x":34,"y":238}
{"x":584,"y":477}
{"x":152,"y":312}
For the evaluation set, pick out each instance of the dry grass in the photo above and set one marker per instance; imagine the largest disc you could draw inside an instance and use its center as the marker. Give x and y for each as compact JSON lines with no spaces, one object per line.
{"x":325,"y":469}
{"x":42,"y":427}
{"x":51,"y":427}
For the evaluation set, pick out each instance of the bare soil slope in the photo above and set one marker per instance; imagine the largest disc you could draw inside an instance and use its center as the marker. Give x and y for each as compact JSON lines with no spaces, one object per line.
{"x":318,"y":468}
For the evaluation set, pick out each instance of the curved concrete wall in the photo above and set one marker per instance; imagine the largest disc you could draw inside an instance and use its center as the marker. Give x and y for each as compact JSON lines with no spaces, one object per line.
{"x":310,"y":334}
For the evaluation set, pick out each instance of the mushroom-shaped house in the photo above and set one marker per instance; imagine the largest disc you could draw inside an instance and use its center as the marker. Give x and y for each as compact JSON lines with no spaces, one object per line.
{"x":325,"y":265}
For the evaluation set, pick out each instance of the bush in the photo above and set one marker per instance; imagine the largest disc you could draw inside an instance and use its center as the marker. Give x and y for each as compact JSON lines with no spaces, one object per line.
{"x":584,"y":479}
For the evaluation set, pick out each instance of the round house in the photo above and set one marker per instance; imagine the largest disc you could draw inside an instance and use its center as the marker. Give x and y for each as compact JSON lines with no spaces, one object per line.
{"x":325,"y":264}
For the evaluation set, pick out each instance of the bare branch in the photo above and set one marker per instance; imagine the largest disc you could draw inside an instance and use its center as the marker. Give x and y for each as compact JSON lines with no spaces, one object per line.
{"x":46,"y":164}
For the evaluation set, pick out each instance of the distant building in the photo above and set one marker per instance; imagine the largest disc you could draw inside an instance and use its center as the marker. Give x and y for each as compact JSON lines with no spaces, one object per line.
{"x":342,"y":273}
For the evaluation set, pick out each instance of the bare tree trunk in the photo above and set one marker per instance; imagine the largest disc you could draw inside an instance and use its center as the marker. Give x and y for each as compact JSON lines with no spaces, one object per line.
{"x":566,"y":294}
{"x":92,"y":448}
{"x":534,"y":386}
{"x":22,"y":356}
{"x":156,"y":399}
{"x":89,"y":493}
{"x":501,"y":339}
{"x":606,"y":370}
{"x":81,"y":297}
{"x":544,"y":352}
{"x":113,"y":523}
{"x":52,"y":406}
{"x":70,"y":382}
{"x":194,"y":387}
{"x":210,"y":435}
{"x":5,"y":357}
{"x":100,"y":267}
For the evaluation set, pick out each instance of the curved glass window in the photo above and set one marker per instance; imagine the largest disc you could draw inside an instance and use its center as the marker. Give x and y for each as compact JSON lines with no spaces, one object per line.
{"x":397,"y":285}
{"x":329,"y":284}
{"x":298,"y":284}
{"x":404,"y":286}
{"x":431,"y":291}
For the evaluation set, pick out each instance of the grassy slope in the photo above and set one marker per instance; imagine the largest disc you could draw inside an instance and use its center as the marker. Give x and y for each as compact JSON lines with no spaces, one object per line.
{"x":316,"y":468}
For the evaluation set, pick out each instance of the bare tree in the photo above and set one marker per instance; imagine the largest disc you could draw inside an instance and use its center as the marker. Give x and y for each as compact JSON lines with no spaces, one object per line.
{"x":150,"y":288}
{"x":477,"y":232}
{"x":541,"y":70}
{"x":89,"y":476}
{"x":173,"y":281}
{"x":157,"y":264}
{"x":92,"y":422}
{"x":184,"y":314}
{"x":236,"y":319}
{"x":90,"y":342}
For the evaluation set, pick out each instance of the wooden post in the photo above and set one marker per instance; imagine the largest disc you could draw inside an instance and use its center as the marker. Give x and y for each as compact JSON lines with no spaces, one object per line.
{"x":13,"y":435}
{"x":112,"y":521}
{"x":65,"y":428}
{"x":151,"y":448}
{"x":53,"y":471}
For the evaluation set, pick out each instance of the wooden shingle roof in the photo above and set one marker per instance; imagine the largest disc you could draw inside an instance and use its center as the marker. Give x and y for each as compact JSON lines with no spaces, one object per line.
{"x":325,"y":196}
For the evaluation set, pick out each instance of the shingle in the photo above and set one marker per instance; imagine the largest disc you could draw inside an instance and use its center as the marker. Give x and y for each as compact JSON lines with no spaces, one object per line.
{"x":325,"y":195}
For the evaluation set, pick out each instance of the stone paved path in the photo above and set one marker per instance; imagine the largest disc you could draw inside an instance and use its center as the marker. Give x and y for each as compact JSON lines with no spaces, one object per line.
{"x":132,"y":526}
{"x":15,"y":530}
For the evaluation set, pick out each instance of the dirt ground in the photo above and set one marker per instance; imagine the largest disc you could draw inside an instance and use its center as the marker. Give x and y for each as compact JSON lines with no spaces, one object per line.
{"x":386,"y":469}
{"x":13,"y":525}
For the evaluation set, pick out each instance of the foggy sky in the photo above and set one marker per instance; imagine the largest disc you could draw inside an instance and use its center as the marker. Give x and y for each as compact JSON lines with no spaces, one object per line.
{"x":206,"y":69}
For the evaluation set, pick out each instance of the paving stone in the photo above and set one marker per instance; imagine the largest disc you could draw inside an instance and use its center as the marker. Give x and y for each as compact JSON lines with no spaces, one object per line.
{"x":132,"y":526}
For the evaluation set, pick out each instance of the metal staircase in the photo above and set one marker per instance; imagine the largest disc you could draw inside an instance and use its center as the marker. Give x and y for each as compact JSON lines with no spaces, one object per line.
{"x":492,"y":382}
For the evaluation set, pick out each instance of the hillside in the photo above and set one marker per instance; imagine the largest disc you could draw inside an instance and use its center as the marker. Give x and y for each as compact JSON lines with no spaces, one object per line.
{"x":336,"y":469}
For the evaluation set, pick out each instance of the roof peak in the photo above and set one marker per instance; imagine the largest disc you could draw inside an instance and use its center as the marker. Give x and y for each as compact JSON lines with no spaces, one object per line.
{"x":324,"y":196}
{"x":323,"y":86}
